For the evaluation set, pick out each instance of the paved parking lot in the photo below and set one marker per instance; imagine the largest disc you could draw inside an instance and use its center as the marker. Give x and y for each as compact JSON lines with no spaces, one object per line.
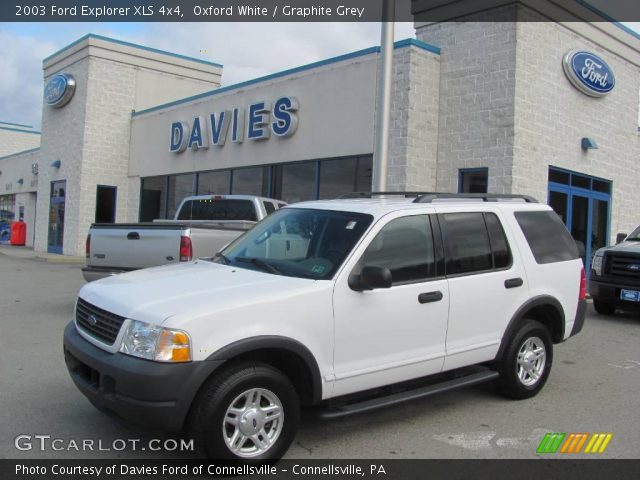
{"x":594,"y":387}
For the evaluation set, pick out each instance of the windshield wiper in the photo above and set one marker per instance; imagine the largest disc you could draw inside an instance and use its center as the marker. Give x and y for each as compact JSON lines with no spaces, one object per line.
{"x":224,"y":258}
{"x":258,"y":262}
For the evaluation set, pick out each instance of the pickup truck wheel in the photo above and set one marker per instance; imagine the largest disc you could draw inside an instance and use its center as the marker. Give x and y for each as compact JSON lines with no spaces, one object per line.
{"x":602,"y":307}
{"x":249,"y":411}
{"x":526,"y":363}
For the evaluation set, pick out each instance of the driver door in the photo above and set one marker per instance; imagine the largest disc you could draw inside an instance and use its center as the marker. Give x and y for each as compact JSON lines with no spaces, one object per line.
{"x":385,"y":336}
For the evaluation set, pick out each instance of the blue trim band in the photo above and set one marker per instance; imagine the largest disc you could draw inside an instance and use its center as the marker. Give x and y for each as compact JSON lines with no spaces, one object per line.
{"x":16,"y":124}
{"x":291,"y":71}
{"x":19,"y":130}
{"x":20,"y":153}
{"x":134,"y":45}
{"x":608,"y":18}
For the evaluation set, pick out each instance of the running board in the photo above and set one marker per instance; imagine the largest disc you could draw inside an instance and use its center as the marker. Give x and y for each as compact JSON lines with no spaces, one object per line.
{"x":396,"y":398}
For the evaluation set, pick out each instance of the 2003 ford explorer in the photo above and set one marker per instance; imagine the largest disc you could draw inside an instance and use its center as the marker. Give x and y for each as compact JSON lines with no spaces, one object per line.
{"x":328,"y":303}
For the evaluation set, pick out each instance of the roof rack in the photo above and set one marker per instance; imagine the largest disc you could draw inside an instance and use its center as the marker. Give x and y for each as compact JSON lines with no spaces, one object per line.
{"x":485,"y":197}
{"x":428,"y":197}
{"x":377,"y":194}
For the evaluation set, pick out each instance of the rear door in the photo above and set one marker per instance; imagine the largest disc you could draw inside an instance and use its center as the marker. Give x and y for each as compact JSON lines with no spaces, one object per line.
{"x":389,"y":335}
{"x":487,"y":283}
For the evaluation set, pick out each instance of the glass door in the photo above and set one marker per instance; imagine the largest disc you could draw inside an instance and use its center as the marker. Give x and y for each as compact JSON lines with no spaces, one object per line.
{"x":56,"y":216}
{"x":586,"y":215}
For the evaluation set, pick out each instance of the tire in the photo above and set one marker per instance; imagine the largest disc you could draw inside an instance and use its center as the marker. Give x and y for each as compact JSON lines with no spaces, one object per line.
{"x":602,"y":307}
{"x":522,"y":374}
{"x":249,"y":412}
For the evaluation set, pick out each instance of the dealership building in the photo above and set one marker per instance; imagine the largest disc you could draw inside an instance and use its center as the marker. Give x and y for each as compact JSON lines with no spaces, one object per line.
{"x":547,"y":109}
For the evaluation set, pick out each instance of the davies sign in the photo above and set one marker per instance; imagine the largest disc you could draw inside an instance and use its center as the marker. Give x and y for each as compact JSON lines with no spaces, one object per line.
{"x":588,"y":73}
{"x":257,"y":122}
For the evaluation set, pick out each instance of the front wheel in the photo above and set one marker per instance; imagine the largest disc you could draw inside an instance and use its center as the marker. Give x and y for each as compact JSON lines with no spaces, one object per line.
{"x":602,"y":307}
{"x":248,"y":412}
{"x":526,"y":363}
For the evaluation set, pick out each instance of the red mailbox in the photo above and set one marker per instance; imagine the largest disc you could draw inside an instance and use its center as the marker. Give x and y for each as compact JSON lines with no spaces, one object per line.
{"x":18,"y":233}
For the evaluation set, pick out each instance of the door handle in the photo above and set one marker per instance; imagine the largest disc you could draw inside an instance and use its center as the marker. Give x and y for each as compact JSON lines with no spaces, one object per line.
{"x":513,"y":283}
{"x":133,"y":236}
{"x":430,"y":297}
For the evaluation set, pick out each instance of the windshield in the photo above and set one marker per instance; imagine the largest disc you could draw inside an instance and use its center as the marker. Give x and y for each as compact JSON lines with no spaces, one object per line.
{"x":298,"y":242}
{"x":635,"y":235}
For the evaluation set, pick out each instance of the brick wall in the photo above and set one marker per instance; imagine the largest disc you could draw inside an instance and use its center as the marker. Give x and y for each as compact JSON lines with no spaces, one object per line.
{"x":477,"y":90}
{"x":414,"y":120}
{"x":551,"y":117}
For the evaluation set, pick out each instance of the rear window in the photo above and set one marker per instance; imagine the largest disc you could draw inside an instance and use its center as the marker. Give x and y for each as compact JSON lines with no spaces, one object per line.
{"x":547,"y":237}
{"x":210,"y":209}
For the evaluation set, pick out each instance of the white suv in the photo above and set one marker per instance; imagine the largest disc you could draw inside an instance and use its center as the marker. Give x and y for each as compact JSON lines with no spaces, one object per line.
{"x":327,"y":303}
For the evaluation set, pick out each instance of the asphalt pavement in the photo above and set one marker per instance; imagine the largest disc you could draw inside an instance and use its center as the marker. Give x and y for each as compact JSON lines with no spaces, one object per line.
{"x":594,"y":388}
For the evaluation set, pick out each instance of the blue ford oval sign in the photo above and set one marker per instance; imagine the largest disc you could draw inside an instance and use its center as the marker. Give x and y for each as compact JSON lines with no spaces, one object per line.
{"x":588,"y":73}
{"x":59,"y":90}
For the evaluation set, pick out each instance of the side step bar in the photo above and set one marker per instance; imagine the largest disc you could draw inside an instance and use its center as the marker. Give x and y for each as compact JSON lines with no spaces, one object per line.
{"x":396,"y":398}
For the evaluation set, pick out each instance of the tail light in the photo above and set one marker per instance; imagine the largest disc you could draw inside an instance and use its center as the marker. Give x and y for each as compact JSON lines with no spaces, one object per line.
{"x":186,"y":249}
{"x":583,"y":285}
{"x":87,"y":246}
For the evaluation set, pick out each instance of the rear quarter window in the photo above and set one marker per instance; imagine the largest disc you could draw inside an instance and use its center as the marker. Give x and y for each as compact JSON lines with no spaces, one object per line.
{"x":547,"y":237}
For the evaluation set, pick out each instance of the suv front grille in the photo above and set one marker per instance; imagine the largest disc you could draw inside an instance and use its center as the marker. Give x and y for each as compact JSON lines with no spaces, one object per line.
{"x":98,"y":323}
{"x":623,"y":265}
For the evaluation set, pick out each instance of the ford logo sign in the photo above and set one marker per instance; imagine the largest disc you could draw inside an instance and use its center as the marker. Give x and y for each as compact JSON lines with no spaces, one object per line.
{"x":59,"y":90}
{"x":634,"y":267}
{"x":93,"y":321}
{"x":588,"y":73}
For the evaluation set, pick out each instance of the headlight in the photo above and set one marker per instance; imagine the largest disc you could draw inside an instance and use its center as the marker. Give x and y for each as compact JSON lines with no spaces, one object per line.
{"x":156,"y":343}
{"x":596,"y":263}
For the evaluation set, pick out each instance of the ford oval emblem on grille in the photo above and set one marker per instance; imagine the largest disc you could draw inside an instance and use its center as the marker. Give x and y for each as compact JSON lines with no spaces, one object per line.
{"x":634,"y":267}
{"x":93,"y":321}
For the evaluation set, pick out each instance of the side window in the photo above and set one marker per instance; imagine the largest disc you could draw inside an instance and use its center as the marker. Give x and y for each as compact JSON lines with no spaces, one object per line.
{"x":268,"y":206}
{"x":466,"y":243}
{"x":499,"y":244}
{"x":405,"y":247}
{"x":547,"y":236}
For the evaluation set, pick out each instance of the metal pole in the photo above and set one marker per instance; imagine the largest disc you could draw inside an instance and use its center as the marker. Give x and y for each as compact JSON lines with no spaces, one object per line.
{"x":383,"y":112}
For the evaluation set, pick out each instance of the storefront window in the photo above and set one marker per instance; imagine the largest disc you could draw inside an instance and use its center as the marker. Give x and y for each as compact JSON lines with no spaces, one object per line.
{"x":152,"y":198}
{"x":345,"y":175}
{"x":210,"y":183}
{"x":180,"y":186}
{"x":250,"y":181}
{"x":294,"y":182}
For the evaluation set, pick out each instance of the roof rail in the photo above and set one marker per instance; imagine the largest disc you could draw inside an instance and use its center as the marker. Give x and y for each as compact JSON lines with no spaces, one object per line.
{"x":379,"y":194}
{"x":485,"y":197}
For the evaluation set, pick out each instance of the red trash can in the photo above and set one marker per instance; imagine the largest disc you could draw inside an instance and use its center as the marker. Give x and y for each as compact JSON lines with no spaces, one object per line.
{"x":18,"y":233}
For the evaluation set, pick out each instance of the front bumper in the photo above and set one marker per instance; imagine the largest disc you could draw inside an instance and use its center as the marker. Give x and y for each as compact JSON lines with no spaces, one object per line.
{"x":609,"y":292}
{"x":152,"y":394}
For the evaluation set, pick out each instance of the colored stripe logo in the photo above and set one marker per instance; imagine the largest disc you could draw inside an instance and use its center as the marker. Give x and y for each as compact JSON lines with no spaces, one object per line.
{"x":574,"y":443}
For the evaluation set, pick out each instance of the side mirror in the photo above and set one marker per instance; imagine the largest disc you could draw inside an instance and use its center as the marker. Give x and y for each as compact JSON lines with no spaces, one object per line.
{"x":371,"y":278}
{"x":620,"y":238}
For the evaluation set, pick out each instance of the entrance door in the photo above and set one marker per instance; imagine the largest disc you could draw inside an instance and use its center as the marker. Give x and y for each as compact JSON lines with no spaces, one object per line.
{"x":105,"y":204}
{"x":582,"y":203}
{"x":56,"y":216}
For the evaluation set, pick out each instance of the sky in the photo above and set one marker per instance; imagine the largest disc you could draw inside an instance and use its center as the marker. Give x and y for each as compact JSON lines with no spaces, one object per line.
{"x":247,"y":50}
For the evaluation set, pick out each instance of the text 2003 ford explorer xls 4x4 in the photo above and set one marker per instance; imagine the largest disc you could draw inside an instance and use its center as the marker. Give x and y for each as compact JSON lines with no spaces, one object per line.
{"x":326,"y":300}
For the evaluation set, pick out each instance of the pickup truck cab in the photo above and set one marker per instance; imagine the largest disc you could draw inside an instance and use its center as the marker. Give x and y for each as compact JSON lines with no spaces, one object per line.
{"x":330,"y":303}
{"x":202,"y":225}
{"x":615,"y":275}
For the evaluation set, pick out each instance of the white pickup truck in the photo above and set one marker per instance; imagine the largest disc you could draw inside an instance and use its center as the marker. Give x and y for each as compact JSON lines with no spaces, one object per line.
{"x":201,"y":226}
{"x":351,"y":305}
